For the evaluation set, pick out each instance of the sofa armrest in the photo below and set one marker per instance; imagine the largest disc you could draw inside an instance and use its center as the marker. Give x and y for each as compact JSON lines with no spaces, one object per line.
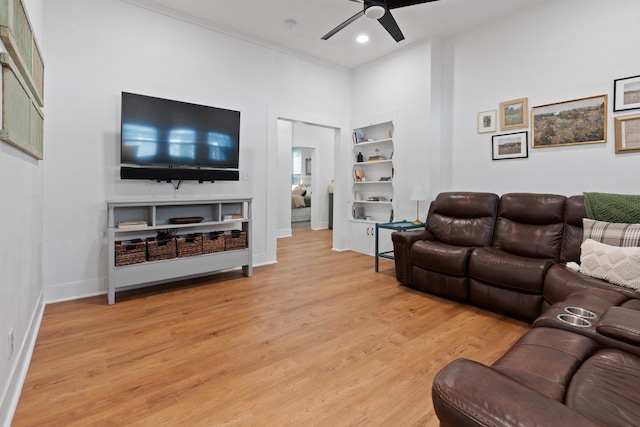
{"x":467,"y":393}
{"x":620,"y":323}
{"x":402,"y":242}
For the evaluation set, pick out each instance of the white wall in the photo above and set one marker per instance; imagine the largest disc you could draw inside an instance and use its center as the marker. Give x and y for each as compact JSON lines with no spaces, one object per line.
{"x":115,"y":46}
{"x":21,"y":302}
{"x":559,"y":51}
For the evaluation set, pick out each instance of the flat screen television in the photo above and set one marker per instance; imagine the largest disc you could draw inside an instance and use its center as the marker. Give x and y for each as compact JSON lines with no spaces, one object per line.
{"x":165,"y":139}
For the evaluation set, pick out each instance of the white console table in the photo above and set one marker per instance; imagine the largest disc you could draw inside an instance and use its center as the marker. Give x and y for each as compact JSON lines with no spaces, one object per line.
{"x":219,"y":214}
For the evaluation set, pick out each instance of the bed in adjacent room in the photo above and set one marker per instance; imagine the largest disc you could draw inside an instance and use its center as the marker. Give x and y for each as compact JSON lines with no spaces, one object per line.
{"x":301,"y":204}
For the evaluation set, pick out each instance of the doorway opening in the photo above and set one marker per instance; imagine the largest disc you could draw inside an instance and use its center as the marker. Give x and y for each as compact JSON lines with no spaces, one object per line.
{"x":301,"y":187}
{"x":305,"y":176}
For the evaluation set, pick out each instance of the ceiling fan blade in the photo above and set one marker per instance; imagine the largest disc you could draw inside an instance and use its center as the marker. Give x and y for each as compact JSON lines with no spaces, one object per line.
{"x":390,"y":24}
{"x":344,"y":24}
{"x":395,"y":4}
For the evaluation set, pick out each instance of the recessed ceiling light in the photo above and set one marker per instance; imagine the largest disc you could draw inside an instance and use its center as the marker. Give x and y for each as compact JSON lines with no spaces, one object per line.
{"x":363,"y":38}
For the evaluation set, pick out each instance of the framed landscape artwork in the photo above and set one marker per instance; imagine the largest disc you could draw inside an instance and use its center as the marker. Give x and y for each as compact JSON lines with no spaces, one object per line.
{"x":579,"y":121}
{"x":510,"y":146}
{"x":514,"y":114}
{"x":626,"y":93}
{"x":487,"y":121}
{"x":627,"y":133}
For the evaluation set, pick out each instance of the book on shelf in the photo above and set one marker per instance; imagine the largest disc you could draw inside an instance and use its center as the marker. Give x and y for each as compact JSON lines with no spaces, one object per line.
{"x":233,"y":216}
{"x":125,"y":224}
{"x":358,"y":137}
{"x":376,"y":158}
{"x":358,"y":175}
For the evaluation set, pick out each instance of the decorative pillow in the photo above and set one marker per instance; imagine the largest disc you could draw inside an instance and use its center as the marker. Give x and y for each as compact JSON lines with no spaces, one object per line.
{"x":299,"y":192}
{"x":611,"y":233}
{"x":297,"y":201}
{"x":617,"y":265}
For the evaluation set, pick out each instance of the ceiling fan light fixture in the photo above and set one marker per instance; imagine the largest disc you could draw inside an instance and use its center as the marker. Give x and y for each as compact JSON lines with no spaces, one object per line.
{"x":374,"y":12}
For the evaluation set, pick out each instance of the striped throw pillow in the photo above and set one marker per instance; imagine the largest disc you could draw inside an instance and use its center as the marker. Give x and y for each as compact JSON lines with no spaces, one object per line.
{"x":611,"y":233}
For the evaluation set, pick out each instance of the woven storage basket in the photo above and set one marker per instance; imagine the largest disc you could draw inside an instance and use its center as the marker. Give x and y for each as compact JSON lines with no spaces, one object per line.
{"x":158,"y":249}
{"x":131,"y":252}
{"x":213,"y":242}
{"x":189,"y":245}
{"x":235,"y":239}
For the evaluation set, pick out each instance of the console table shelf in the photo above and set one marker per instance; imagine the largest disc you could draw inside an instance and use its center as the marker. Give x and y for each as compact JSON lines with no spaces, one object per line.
{"x":219,"y":215}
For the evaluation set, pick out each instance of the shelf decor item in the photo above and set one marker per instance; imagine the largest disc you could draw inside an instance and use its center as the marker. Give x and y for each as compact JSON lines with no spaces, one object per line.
{"x":579,"y":121}
{"x":131,"y":252}
{"x":487,"y":121}
{"x":161,"y":248}
{"x":514,"y":114}
{"x":627,"y":133}
{"x":213,"y":242}
{"x":235,"y":239}
{"x":510,"y":146}
{"x":186,"y":220}
{"x":189,"y":245}
{"x":418,"y":193}
{"x":626,"y":93}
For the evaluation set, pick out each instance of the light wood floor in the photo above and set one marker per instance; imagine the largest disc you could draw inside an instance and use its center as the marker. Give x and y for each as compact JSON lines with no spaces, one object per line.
{"x":317,"y":339}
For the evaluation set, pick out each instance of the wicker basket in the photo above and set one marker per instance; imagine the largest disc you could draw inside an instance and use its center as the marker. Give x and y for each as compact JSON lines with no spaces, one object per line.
{"x":213,"y":242}
{"x":132,"y":252}
{"x":158,"y":249}
{"x":235,"y":239}
{"x":189,"y":245}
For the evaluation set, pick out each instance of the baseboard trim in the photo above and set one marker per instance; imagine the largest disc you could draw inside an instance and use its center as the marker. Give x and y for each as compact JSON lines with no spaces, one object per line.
{"x":20,"y":367}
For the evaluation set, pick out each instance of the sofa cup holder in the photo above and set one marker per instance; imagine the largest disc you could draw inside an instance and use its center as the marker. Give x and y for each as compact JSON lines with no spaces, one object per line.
{"x":574,"y":320}
{"x":581,"y":312}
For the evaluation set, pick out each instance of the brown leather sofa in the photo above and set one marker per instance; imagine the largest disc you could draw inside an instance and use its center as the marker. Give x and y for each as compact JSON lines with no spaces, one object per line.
{"x":583,"y":370}
{"x":506,"y":253}
{"x":561,"y":281}
{"x":558,"y":373}
{"x":435,"y":259}
{"x":550,"y":377}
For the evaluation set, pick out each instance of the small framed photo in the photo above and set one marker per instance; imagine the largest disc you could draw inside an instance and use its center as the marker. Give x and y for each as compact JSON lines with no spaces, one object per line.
{"x":579,"y":121}
{"x":487,"y":121}
{"x":626,"y":93}
{"x":510,"y":146}
{"x":514,"y":114}
{"x":627,"y":133}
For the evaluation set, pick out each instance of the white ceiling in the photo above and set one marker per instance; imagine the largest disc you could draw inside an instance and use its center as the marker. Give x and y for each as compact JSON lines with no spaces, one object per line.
{"x":265,"y":22}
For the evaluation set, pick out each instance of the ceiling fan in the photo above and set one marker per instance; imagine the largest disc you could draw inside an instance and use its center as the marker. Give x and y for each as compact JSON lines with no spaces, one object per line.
{"x":380,"y":10}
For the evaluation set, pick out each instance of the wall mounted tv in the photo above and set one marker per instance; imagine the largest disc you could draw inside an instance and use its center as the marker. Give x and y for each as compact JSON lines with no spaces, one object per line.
{"x":166,"y":140}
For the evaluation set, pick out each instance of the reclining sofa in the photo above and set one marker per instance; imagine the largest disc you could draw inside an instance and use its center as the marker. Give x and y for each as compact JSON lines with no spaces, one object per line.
{"x":580,"y":362}
{"x":507,"y":254}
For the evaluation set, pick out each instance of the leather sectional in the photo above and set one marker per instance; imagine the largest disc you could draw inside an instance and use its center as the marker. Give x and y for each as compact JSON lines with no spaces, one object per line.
{"x":509,"y":254}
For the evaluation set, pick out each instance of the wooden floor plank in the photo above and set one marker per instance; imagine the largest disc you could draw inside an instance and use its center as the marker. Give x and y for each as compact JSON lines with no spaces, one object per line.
{"x":317,"y":339}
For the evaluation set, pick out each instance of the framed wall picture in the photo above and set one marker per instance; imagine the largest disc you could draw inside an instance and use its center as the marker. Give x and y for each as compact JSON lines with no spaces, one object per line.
{"x":579,"y":121}
{"x":510,"y":146}
{"x":627,"y":133}
{"x":487,"y":121}
{"x":626,"y":93}
{"x":514,"y":114}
